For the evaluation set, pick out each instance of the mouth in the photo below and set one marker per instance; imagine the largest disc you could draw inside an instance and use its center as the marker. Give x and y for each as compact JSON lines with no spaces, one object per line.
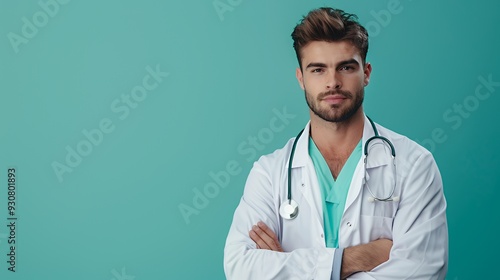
{"x":334,"y":98}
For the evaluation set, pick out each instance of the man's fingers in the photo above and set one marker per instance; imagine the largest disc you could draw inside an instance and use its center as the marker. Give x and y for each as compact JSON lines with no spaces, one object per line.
{"x":273,"y":239}
{"x":258,"y":240}
{"x":270,"y":244}
{"x":265,"y":238}
{"x":267,"y":230}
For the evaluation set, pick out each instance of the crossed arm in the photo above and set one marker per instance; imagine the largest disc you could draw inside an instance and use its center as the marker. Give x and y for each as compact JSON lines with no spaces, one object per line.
{"x":358,"y":258}
{"x":420,"y":235}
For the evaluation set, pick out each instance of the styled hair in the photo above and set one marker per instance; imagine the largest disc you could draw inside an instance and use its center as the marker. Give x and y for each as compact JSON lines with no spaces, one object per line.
{"x":330,"y":25}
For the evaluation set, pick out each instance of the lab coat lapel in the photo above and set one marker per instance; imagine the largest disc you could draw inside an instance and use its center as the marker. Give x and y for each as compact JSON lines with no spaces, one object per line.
{"x":310,"y":191}
{"x":302,"y":163}
{"x":357,"y":180}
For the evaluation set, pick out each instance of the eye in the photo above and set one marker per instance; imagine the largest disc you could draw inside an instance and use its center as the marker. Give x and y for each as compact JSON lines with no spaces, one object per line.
{"x":346,"y":68}
{"x":317,"y":70}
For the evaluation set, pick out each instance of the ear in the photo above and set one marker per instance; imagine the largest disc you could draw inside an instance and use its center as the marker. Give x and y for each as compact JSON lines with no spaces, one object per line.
{"x":367,"y":72}
{"x":300,"y":77}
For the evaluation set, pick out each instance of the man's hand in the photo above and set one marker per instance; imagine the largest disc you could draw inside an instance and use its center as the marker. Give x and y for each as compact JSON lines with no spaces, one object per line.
{"x":365,"y":257}
{"x":265,"y":238}
{"x":358,"y":258}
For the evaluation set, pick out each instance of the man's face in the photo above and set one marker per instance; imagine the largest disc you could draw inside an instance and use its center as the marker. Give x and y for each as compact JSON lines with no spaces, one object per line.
{"x":333,"y":78}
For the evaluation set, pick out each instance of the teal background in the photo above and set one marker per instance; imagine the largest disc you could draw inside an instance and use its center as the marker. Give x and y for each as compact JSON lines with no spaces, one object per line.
{"x":119,"y":208}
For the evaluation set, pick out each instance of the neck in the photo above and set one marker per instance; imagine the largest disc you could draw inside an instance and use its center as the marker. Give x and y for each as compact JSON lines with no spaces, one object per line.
{"x":336,"y":139}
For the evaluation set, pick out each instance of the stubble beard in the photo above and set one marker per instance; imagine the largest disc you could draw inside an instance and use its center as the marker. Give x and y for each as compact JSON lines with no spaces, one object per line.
{"x":335,"y":112}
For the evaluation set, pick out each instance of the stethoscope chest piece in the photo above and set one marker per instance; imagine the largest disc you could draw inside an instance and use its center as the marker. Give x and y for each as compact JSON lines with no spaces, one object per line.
{"x":289,"y":209}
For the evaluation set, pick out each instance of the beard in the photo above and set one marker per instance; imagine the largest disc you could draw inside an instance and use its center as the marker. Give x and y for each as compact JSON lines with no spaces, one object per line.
{"x":336,"y":112}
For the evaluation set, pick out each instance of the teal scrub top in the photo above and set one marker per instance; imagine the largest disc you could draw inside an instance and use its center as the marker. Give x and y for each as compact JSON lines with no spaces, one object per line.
{"x":333,"y":192}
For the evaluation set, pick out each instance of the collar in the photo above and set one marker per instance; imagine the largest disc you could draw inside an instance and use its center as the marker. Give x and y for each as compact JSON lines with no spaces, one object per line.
{"x":301,"y":157}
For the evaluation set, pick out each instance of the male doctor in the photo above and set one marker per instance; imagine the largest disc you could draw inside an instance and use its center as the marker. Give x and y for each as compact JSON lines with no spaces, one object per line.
{"x":379,"y":220}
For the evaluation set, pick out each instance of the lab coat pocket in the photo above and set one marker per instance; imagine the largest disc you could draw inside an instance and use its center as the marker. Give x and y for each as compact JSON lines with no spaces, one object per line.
{"x":375,"y":227}
{"x":379,"y":185}
{"x":385,"y":209}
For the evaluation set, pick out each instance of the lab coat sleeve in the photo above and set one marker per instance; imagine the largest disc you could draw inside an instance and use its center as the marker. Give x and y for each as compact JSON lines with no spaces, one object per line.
{"x":420,"y":232}
{"x":241,"y":258}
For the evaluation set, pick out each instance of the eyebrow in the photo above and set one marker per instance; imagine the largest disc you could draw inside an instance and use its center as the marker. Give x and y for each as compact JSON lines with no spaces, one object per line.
{"x":341,"y":63}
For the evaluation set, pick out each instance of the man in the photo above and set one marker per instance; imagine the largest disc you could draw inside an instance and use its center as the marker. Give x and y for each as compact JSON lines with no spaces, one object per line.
{"x":373,"y":220}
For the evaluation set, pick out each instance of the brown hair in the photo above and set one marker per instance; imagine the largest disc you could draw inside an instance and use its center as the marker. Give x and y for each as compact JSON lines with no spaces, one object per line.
{"x":330,"y":25}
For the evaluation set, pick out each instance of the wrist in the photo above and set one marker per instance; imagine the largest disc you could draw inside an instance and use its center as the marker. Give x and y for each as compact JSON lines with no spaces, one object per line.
{"x":365,"y":257}
{"x":354,"y":260}
{"x":350,"y":262}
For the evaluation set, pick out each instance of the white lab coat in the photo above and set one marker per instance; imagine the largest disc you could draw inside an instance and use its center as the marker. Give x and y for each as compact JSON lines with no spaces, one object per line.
{"x":416,"y":224}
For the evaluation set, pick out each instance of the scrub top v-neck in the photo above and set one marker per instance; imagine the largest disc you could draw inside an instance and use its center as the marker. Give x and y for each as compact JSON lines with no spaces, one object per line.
{"x":333,"y":192}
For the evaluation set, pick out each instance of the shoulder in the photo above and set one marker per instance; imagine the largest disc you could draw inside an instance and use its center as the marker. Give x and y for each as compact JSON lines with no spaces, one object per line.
{"x":407,"y":150}
{"x":277,"y":159}
{"x":268,"y":171}
{"x":415,"y":166}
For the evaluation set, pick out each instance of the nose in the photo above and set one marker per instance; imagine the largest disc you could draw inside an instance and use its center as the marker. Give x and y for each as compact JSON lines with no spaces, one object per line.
{"x":333,"y":82}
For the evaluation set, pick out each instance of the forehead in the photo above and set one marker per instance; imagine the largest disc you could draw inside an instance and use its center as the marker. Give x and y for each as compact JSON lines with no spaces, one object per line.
{"x":329,"y":52}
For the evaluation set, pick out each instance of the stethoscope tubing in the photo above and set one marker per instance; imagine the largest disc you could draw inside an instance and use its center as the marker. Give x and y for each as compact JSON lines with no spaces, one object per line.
{"x":374,"y":197}
{"x":290,"y":161}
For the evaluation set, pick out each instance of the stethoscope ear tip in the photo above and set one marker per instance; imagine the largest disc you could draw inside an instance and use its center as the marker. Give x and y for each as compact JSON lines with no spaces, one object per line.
{"x":371,"y":199}
{"x":396,"y":198}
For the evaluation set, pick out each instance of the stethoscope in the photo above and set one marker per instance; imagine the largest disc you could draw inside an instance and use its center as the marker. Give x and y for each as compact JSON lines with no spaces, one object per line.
{"x":290,"y":209}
